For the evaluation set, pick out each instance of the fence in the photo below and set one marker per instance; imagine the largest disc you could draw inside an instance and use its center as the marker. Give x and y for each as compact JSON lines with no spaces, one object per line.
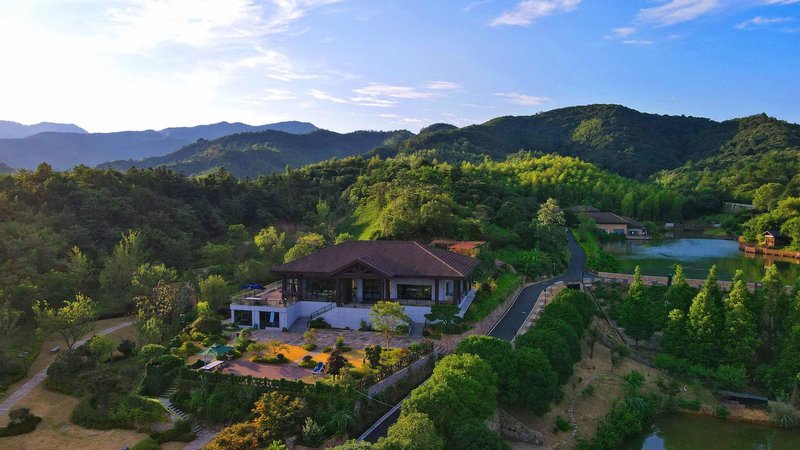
{"x":261,"y":384}
{"x":387,"y":371}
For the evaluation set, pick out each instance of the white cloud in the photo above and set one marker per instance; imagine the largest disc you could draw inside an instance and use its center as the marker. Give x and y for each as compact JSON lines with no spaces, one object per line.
{"x":517,"y":98}
{"x":403,"y":119}
{"x":140,"y":25}
{"x":637,"y":42}
{"x":384,"y":90}
{"x":475,"y":4}
{"x":677,"y":11}
{"x":527,"y":11}
{"x":443,"y":85}
{"x":361,"y":101}
{"x":623,"y":32}
{"x":759,"y":21}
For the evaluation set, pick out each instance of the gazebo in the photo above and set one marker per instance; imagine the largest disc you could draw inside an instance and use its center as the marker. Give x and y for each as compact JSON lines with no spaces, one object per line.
{"x":216,"y":351}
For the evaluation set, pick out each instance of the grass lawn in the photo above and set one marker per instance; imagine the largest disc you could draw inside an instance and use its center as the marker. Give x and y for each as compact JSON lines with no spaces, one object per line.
{"x":56,"y":431}
{"x":44,"y":357}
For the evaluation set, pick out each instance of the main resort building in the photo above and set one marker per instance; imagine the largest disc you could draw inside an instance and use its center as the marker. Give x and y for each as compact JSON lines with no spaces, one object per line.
{"x":341,"y":283}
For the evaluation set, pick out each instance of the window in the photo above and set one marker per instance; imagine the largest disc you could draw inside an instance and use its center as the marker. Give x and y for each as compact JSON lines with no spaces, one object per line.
{"x":322,"y":289}
{"x":414,"y":291}
{"x":269,"y":319}
{"x":372,"y":289}
{"x":243,"y":318}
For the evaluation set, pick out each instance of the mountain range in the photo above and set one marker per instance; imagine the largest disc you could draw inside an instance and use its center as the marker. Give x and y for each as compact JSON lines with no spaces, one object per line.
{"x":65,"y":149}
{"x":16,"y":130}
{"x":263,"y":152}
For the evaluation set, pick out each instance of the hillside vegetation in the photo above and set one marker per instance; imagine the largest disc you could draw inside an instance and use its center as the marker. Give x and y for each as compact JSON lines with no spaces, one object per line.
{"x":260,"y":153}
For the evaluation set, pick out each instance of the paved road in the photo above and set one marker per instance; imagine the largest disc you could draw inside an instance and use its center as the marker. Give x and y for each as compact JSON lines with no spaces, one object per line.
{"x":14,"y":398}
{"x":508,"y":326}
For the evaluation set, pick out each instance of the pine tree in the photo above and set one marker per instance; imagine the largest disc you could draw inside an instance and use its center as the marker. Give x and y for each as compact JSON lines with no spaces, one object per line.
{"x":675,"y":340}
{"x":775,"y":307}
{"x":707,"y":323}
{"x":679,"y":294}
{"x":636,"y":314}
{"x":740,"y":325}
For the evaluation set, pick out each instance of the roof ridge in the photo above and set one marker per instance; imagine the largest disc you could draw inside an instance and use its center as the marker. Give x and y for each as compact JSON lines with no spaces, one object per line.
{"x":440,"y":259}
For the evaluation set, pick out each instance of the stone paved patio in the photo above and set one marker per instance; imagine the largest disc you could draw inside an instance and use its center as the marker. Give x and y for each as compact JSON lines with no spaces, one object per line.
{"x":355,"y":339}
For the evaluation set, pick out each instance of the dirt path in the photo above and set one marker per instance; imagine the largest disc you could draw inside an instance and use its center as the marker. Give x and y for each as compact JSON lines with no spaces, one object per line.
{"x":22,"y":391}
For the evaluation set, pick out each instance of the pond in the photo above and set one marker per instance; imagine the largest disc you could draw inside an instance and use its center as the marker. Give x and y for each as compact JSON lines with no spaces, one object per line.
{"x":685,"y":432}
{"x":696,"y":256}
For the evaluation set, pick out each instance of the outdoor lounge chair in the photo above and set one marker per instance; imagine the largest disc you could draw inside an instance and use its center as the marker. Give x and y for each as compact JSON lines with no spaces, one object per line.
{"x":318,"y":369}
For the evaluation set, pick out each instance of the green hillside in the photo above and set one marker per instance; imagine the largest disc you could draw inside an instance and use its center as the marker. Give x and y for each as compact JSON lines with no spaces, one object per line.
{"x":260,"y":153}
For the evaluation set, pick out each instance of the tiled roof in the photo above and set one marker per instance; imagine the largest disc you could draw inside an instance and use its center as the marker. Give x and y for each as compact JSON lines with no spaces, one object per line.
{"x":609,"y":218}
{"x":407,"y":259}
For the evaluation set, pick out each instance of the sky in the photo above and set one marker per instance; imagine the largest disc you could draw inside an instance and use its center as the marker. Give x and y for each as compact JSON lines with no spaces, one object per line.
{"x":388,"y":64}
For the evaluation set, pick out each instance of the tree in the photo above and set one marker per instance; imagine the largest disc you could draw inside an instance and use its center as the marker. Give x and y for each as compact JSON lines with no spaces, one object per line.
{"x":306,"y":245}
{"x":446,"y":314}
{"x":591,"y":338}
{"x":336,"y":363}
{"x":277,"y":416}
{"x":679,"y":294}
{"x":167,"y":302}
{"x":116,"y":282}
{"x":554,"y":348}
{"x":707,"y":322}
{"x":474,"y":435}
{"x":740,"y":325}
{"x":549,"y":228}
{"x":767,"y":195}
{"x":343,"y":237}
{"x":214,"y":290}
{"x":151,"y":329}
{"x":126,"y":347}
{"x":412,"y":431}
{"x":70,"y":321}
{"x":372,"y":353}
{"x":532,"y":364}
{"x":240,"y":436}
{"x":101,"y":347}
{"x":271,"y":244}
{"x":9,"y":323}
{"x":79,"y":269}
{"x":147,"y":276}
{"x":675,"y":340}
{"x":461,"y":387}
{"x":775,"y":308}
{"x":388,"y":317}
{"x":635,"y":314}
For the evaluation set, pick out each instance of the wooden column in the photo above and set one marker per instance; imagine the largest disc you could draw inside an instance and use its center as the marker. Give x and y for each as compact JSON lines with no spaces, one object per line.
{"x":436,"y":291}
{"x":457,"y":291}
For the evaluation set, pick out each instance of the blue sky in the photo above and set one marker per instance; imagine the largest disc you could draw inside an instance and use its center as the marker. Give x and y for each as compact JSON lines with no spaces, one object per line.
{"x":388,"y":64}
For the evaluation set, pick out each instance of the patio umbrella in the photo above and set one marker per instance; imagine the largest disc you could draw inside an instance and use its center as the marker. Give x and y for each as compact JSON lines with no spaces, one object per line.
{"x":216,"y":350}
{"x":253,"y":286}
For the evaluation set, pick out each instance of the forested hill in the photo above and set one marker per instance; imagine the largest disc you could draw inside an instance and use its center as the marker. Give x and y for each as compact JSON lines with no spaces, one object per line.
{"x":261,"y":153}
{"x":64,"y":150}
{"x":616,"y":138}
{"x":17,"y":130}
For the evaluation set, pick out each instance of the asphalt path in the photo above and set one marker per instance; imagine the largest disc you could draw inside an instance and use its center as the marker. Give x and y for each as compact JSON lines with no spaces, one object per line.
{"x":506,"y":328}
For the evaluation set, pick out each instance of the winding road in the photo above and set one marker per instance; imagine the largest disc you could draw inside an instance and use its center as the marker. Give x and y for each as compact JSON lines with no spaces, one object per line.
{"x":506,"y":328}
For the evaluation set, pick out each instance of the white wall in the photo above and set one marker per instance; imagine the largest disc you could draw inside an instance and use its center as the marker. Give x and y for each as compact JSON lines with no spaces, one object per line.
{"x":352,"y":317}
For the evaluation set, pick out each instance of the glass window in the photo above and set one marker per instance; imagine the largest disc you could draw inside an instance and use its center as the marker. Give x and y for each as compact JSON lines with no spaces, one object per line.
{"x":414,"y":292}
{"x":322,"y":289}
{"x":244,"y":318}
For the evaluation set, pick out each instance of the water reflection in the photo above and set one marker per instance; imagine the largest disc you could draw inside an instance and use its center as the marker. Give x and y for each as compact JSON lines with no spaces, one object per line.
{"x":697,"y":256}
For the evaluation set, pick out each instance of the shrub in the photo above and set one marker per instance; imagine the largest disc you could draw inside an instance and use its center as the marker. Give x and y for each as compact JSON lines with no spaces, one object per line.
{"x":147,"y":444}
{"x":127,"y":412}
{"x":206,"y":325}
{"x":474,"y":435}
{"x":309,"y":347}
{"x":319,"y":322}
{"x":327,"y":349}
{"x":784,"y":414}
{"x":150,"y":351}
{"x":159,"y":373}
{"x":62,"y":375}
{"x":180,"y":432}
{"x":313,"y":433}
{"x":127,"y":347}
{"x":693,"y":405}
{"x":21,"y":421}
{"x":561,"y":425}
{"x":731,"y":377}
{"x":307,"y":362}
{"x":588,"y":391}
{"x":721,"y":411}
{"x":186,"y":350}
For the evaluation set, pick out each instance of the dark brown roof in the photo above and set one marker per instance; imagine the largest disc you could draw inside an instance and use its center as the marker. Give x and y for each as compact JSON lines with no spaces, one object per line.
{"x":406,"y":259}
{"x":609,"y":218}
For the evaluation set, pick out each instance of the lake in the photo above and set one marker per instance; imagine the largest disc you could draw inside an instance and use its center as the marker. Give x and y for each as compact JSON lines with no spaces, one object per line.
{"x":697,"y":256}
{"x":686,"y":432}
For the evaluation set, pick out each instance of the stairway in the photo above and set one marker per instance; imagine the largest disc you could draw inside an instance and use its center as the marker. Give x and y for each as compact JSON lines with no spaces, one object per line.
{"x":416,"y":330}
{"x":300,"y":325}
{"x":174,"y":410}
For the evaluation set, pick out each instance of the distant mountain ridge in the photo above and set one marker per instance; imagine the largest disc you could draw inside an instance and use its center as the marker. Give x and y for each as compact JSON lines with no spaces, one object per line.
{"x":616,"y":138}
{"x":260,"y":153}
{"x":16,"y":130}
{"x":64,"y":150}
